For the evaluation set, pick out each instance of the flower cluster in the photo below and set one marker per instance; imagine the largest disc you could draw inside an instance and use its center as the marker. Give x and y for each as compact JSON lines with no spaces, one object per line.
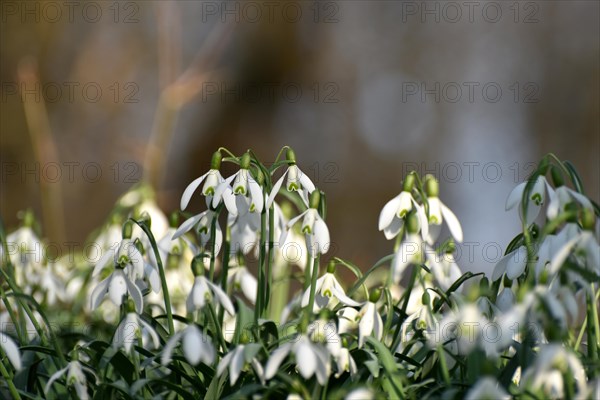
{"x":236,"y":299}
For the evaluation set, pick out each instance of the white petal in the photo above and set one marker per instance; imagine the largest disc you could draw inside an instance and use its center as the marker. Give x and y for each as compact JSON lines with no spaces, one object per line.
{"x":321,"y":235}
{"x":306,"y":361}
{"x":136,"y":295}
{"x":189,"y":191}
{"x":515,"y":196}
{"x":237,"y":363}
{"x":103,"y":261}
{"x":378,"y":326}
{"x":220,"y":190}
{"x":169,"y":347}
{"x":53,"y":378}
{"x":393,"y":229}
{"x":192,"y":344}
{"x":388,"y":212}
{"x":306,"y":182}
{"x":275,"y":189}
{"x":11,"y":349}
{"x":341,"y":296}
{"x":249,"y":286}
{"x":187,"y":225}
{"x":98,"y":293}
{"x":561,"y":255}
{"x":229,"y":200}
{"x":452,"y":222}
{"x":422,"y":218}
{"x":152,"y":333}
{"x":584,"y":201}
{"x":222,"y":298}
{"x":554,"y":204}
{"x":365,"y":326}
{"x":224,"y":363}
{"x":117,"y":287}
{"x":276,"y":359}
{"x":257,"y":196}
{"x":516,"y":263}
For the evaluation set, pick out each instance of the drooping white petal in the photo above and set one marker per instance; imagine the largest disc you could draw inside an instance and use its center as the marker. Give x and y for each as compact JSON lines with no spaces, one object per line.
{"x":189,"y":191}
{"x":422,"y":218}
{"x":583,"y":200}
{"x":98,"y":293}
{"x":393,"y":229}
{"x":515,"y":196}
{"x":237,"y":363}
{"x":366,"y":324}
{"x":561,"y":255}
{"x":221,"y":188}
{"x":169,"y":347}
{"x":117,"y":287}
{"x":435,"y":210}
{"x":306,"y":361}
{"x":108,"y":255}
{"x":305,"y":182}
{"x":11,"y":349}
{"x":452,"y":222}
{"x":275,"y":189}
{"x":388,"y":212}
{"x":276,"y":359}
{"x":136,"y":296}
{"x":516,"y":263}
{"x":249,"y":286}
{"x":224,"y":363}
{"x":152,"y":332}
{"x":54,"y":376}
{"x":222,"y":297}
{"x":192,"y":344}
{"x":257,"y":196}
{"x":321,"y":235}
{"x":289,"y":225}
{"x":188,"y":224}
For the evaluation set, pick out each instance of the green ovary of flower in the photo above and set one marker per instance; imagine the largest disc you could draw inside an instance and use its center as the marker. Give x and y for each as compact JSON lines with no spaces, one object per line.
{"x":537,"y":199}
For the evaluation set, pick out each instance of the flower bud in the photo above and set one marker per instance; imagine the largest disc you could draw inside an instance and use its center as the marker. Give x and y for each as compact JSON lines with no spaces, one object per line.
{"x":174,"y":220}
{"x":29,"y":219}
{"x":425,"y":298}
{"x":409,"y":182}
{"x":291,"y":156}
{"x":557,"y":177}
{"x":331,"y":267}
{"x":215,"y":162}
{"x":412,"y":223}
{"x":484,"y":284}
{"x":588,"y":219}
{"x":260,"y":177}
{"x":432,"y":187}
{"x":127,"y":230}
{"x":375,"y":295}
{"x":198,"y":265}
{"x":245,"y":161}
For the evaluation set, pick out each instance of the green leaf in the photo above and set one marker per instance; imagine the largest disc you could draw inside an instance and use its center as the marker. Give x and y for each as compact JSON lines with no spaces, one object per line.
{"x":389,"y":365}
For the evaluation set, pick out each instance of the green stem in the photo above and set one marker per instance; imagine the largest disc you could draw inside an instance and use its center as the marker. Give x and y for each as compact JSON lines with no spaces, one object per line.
{"x":213,"y":245}
{"x":313,"y":283}
{"x":219,"y":331}
{"x":9,"y":380}
{"x":262,"y":263}
{"x":270,"y":255}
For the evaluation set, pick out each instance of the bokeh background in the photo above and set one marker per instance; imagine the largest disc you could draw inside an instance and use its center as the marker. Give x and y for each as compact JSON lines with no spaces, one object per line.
{"x":97,"y":96}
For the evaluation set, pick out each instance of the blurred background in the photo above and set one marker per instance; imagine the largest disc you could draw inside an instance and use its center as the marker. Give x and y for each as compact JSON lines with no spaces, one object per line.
{"x":96,"y":96}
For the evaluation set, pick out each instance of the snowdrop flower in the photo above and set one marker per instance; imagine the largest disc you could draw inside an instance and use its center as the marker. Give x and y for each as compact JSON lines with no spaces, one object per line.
{"x":314,"y":228}
{"x":26,"y":252}
{"x":238,"y":358}
{"x":11,"y":350}
{"x":487,"y":388}
{"x":584,"y":246}
{"x":537,"y":198}
{"x":75,"y":377}
{"x":125,"y":255}
{"x":438,"y":212}
{"x":52,"y":286}
{"x":562,"y":196}
{"x":205,"y":291}
{"x":212,"y":179}
{"x":360,"y":394}
{"x":116,"y":286}
{"x":444,"y":268}
{"x":131,"y":329}
{"x":547,"y":372}
{"x":512,"y":264}
{"x":347,"y":319}
{"x":311,"y":359}
{"x":328,"y":293}
{"x":296,"y":181}
{"x":369,"y":319}
{"x":239,"y":277}
{"x":391,"y":218}
{"x":243,"y":184}
{"x":203,"y":223}
{"x":197,"y":346}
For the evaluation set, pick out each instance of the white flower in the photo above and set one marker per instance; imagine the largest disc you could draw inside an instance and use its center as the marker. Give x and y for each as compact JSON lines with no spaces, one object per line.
{"x":537,"y":198}
{"x":438,"y":212}
{"x":391,"y":218}
{"x":197,"y":346}
{"x":311,"y":359}
{"x":26,"y":252}
{"x":563,"y":196}
{"x":586,"y":249}
{"x":126,"y":255}
{"x":131,"y":329}
{"x":444,"y":269}
{"x":513,"y":264}
{"x":75,"y":377}
{"x":360,"y":394}
{"x":345,"y":363}
{"x":369,"y":322}
{"x":203,"y":291}
{"x":315,"y":231}
{"x":547,"y":372}
{"x":239,"y":277}
{"x":411,"y":251}
{"x":243,"y":184}
{"x":212,"y":179}
{"x":296,"y":181}
{"x":238,"y":358}
{"x":328,"y":292}
{"x":347,"y":319}
{"x":204,"y":221}
{"x":487,"y":388}
{"x":116,"y":286}
{"x":11,"y":349}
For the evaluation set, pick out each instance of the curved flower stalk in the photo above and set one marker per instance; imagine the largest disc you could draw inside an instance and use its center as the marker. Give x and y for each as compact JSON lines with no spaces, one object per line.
{"x":438,"y":212}
{"x":548,"y":373}
{"x":328,"y":293}
{"x":11,"y":350}
{"x":238,"y":358}
{"x":537,"y":198}
{"x":395,"y":211}
{"x":297,"y":181}
{"x":133,"y":329}
{"x":197,"y":346}
{"x":370,"y":321}
{"x":75,"y":378}
{"x":310,"y":358}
